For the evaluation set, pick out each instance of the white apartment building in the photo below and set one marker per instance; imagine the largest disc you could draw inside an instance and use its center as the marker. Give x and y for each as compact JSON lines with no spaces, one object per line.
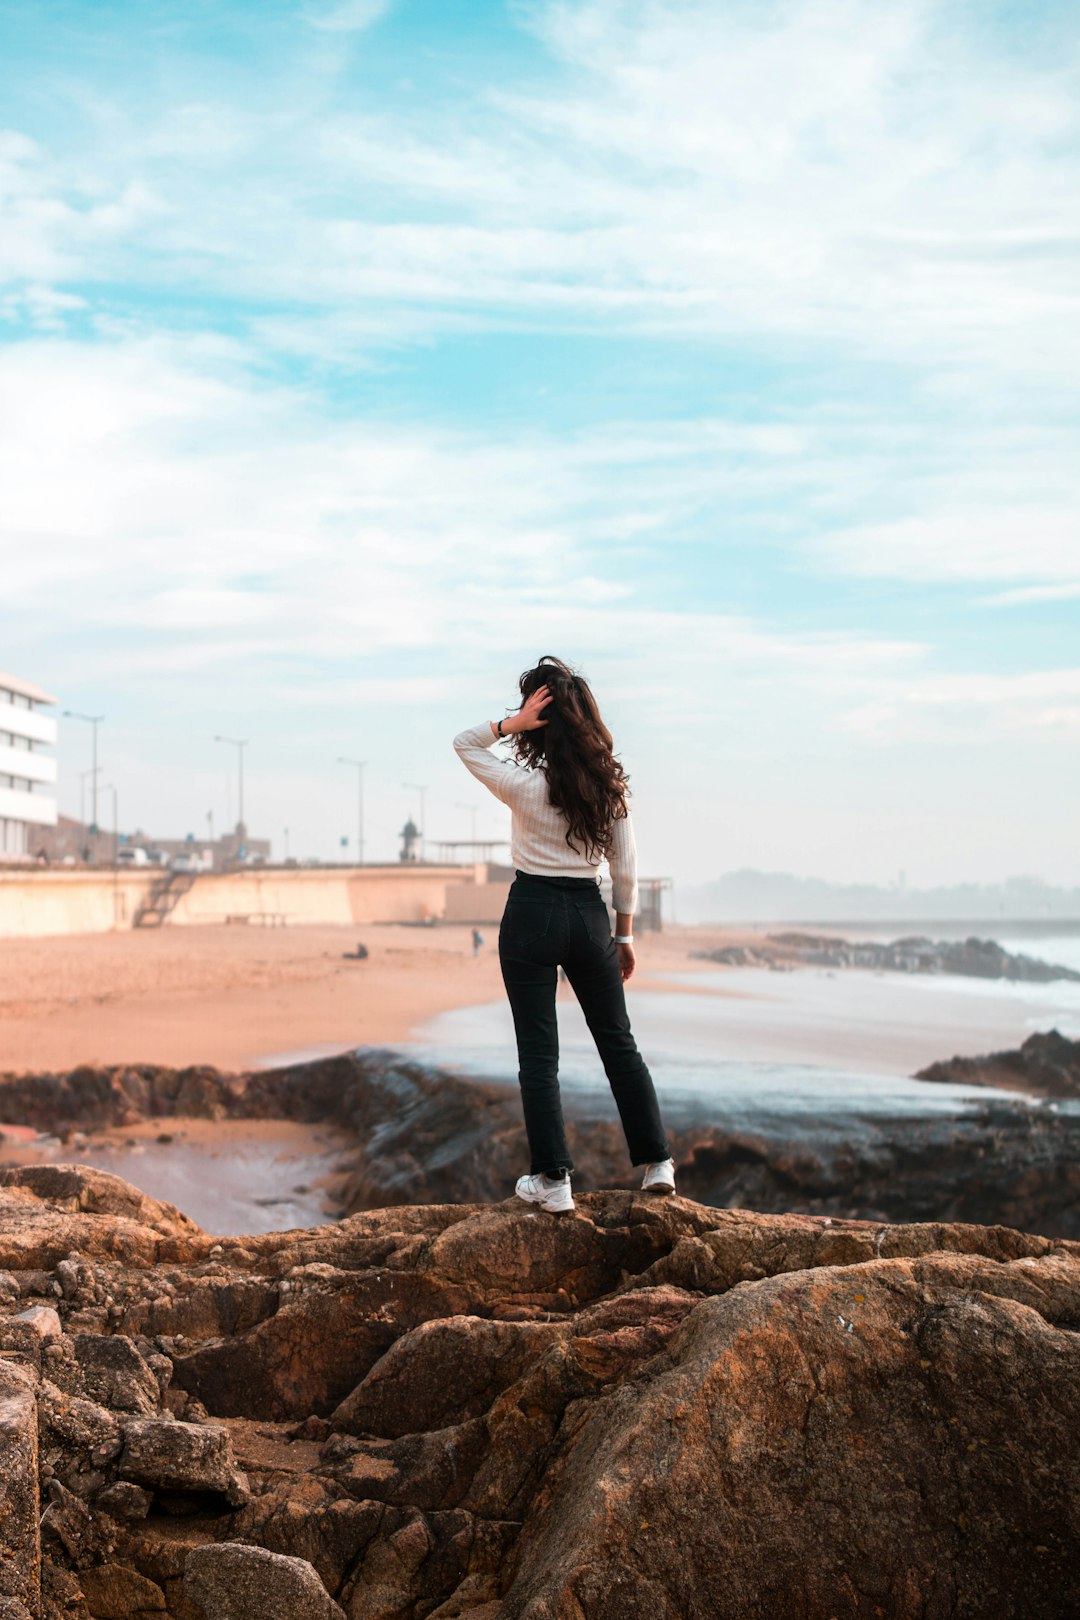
{"x":27,"y":775}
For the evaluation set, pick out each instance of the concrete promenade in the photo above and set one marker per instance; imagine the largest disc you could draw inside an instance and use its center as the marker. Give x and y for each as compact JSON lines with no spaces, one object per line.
{"x":50,"y":900}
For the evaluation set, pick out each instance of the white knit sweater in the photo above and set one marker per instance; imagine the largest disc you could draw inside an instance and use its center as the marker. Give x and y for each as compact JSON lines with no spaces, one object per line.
{"x":538,"y":831}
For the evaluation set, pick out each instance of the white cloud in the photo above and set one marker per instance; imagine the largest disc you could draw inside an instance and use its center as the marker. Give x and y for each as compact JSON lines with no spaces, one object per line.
{"x":1028,"y":542}
{"x":1031,"y":593}
{"x":943,"y":707}
{"x":831,"y":173}
{"x":201,"y":520}
{"x":349,"y":16}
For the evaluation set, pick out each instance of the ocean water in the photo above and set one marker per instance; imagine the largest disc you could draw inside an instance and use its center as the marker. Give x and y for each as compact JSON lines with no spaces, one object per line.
{"x":994,"y":1013}
{"x":1061,"y":948}
{"x":746,"y":1094}
{"x":805,"y":1051}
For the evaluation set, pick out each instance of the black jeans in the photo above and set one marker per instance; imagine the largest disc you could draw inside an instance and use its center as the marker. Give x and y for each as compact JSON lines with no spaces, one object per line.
{"x":552,"y":922}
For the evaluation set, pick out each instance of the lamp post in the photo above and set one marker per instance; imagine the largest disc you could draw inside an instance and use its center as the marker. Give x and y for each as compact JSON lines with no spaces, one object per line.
{"x":239,"y":743}
{"x":92,"y":720}
{"x":82,"y":794}
{"x":421,"y":788}
{"x":110,"y":787}
{"x":343,"y":759}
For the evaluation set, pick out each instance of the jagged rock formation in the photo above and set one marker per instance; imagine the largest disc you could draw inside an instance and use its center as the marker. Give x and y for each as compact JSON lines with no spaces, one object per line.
{"x":648,"y":1408}
{"x":1045,"y":1065}
{"x":970,"y":958}
{"x":428,"y":1136}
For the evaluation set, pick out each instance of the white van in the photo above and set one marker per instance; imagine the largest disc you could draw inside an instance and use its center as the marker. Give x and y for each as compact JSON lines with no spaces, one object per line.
{"x":130,"y":855}
{"x":192,"y":861}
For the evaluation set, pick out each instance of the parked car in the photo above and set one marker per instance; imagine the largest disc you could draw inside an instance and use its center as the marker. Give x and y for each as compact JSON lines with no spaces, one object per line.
{"x":187,"y":862}
{"x":132,"y":855}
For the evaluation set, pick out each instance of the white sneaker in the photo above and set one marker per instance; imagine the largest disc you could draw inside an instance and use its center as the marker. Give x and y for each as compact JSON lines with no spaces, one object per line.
{"x":659,"y":1178}
{"x":554,"y":1196}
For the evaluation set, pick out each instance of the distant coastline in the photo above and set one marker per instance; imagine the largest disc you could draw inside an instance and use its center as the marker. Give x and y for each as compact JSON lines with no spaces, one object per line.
{"x":748,"y":897}
{"x":952,"y":926}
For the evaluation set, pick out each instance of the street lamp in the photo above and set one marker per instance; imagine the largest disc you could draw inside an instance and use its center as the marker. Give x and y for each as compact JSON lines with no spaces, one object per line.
{"x":93,"y":720}
{"x":110,"y":787}
{"x":421,"y":788}
{"x":343,"y":759}
{"x":239,"y":743}
{"x":82,"y":794}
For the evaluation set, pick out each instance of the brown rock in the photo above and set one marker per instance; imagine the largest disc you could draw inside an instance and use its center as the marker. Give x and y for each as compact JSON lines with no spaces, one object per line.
{"x":124,"y":1500}
{"x":76,"y":1187}
{"x":78,"y":1438}
{"x":442,"y":1372}
{"x":232,"y":1581}
{"x":654,"y":1407}
{"x":1046,"y":1065}
{"x":305,"y":1358}
{"x":114,"y":1373}
{"x":114,"y":1592}
{"x":43,"y":1319}
{"x":19,"y":1566}
{"x":166,"y":1455}
{"x":48,"y":1211}
{"x":864,"y":1426}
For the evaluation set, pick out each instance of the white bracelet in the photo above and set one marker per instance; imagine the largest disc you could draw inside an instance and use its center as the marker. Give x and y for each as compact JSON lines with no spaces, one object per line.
{"x":623,"y":939}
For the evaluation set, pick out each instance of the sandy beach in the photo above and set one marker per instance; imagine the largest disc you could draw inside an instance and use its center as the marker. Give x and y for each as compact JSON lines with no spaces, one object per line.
{"x":236,"y":997}
{"x":233,"y":997}
{"x":245,"y":997}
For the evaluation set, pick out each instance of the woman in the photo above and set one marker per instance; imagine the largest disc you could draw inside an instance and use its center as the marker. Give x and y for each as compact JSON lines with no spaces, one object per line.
{"x":568,"y":798}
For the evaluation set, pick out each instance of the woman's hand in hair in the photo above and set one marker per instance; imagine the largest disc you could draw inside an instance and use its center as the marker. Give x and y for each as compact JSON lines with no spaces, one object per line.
{"x":528,"y":716}
{"x":627,"y":960}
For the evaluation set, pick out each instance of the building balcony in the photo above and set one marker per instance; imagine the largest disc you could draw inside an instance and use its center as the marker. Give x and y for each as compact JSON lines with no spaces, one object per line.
{"x":26,"y":763}
{"x":17,"y":804}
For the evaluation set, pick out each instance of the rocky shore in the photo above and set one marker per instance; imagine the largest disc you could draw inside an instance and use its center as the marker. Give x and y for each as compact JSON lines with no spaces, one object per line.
{"x":971,"y":958}
{"x":1044,"y":1066}
{"x":428,"y":1136}
{"x":484,"y":1413}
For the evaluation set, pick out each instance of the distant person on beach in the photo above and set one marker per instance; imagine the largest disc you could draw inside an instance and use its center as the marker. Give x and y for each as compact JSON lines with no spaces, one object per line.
{"x":567,"y":795}
{"x":477,"y":941}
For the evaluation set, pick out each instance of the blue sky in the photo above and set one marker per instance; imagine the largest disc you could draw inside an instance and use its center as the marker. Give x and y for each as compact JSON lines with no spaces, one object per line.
{"x":353,"y":355}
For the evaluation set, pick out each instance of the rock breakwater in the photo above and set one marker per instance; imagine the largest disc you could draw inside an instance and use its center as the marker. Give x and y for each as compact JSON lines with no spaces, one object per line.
{"x":484,"y":1413}
{"x":971,"y":958}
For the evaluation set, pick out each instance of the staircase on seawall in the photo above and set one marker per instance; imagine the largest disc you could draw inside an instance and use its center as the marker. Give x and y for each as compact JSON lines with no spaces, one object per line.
{"x":162,"y":897}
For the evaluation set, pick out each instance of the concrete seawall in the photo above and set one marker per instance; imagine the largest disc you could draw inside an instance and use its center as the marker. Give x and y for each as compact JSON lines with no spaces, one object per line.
{"x":51,"y":901}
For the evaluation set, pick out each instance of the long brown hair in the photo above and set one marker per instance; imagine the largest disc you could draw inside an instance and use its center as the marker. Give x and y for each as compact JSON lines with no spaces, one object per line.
{"x":585,"y":780}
